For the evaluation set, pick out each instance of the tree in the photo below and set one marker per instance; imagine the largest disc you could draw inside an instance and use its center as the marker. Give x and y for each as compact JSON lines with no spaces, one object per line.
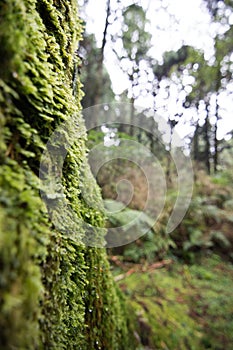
{"x":96,"y":87}
{"x":135,"y":45}
{"x":95,"y":78}
{"x":54,"y":291}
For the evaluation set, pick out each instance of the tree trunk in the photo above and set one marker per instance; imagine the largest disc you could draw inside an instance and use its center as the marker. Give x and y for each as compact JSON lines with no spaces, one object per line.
{"x":99,"y":82}
{"x":196,"y":144}
{"x":216,"y":143}
{"x":54,"y":291}
{"x":207,"y":141}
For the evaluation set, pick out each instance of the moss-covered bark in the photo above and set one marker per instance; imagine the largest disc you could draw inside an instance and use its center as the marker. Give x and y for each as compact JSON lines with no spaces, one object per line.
{"x":54,"y":292}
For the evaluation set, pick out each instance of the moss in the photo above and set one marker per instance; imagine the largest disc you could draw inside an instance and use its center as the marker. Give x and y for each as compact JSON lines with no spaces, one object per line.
{"x":49,"y":280}
{"x":184,"y":307}
{"x":24,"y":235}
{"x":106,"y":318}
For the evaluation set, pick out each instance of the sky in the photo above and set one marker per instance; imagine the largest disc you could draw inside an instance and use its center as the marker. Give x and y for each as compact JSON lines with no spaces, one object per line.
{"x":171,"y":24}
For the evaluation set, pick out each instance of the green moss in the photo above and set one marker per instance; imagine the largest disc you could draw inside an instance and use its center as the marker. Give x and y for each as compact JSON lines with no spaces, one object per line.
{"x":49,"y":280}
{"x":184,"y":307}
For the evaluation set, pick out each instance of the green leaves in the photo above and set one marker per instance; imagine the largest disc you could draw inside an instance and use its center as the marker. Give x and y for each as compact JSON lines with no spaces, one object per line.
{"x":135,"y":38}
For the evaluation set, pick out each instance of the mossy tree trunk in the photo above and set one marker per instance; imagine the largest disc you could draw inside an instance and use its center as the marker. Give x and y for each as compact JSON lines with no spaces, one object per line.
{"x":54,"y":292}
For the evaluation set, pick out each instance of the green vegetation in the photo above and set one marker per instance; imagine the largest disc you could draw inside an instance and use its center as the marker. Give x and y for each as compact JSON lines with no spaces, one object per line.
{"x":206,"y":227}
{"x":54,"y":292}
{"x":179,"y":286}
{"x":183,"y":306}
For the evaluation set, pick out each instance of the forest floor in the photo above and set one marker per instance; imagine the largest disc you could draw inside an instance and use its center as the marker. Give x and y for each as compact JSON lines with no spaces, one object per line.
{"x":180,"y":306}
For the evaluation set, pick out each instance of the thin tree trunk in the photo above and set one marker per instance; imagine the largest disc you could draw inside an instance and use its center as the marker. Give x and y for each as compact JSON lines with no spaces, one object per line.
{"x":196,"y":144}
{"x":207,"y":141}
{"x":216,"y":143}
{"x":131,"y":128}
{"x":218,"y":86}
{"x":101,"y":57}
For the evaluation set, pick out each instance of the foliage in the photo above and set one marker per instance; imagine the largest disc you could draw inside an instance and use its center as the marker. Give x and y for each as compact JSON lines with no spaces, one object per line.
{"x":183,"y":307}
{"x":205,"y":227}
{"x":207,"y":224}
{"x":152,"y":245}
{"x":136,"y":41}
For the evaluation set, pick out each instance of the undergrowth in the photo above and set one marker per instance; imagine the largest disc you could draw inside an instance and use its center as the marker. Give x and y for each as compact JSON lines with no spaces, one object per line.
{"x":183,"y":306}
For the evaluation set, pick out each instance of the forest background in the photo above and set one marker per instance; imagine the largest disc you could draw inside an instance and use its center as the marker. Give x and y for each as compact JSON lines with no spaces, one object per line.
{"x":175,"y":62}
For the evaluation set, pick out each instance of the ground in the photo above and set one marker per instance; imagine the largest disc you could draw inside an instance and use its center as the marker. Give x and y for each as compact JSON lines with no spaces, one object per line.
{"x":180,"y":306}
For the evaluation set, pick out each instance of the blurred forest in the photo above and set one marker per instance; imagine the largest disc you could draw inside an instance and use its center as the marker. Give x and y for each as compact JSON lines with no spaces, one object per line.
{"x":180,"y":284}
